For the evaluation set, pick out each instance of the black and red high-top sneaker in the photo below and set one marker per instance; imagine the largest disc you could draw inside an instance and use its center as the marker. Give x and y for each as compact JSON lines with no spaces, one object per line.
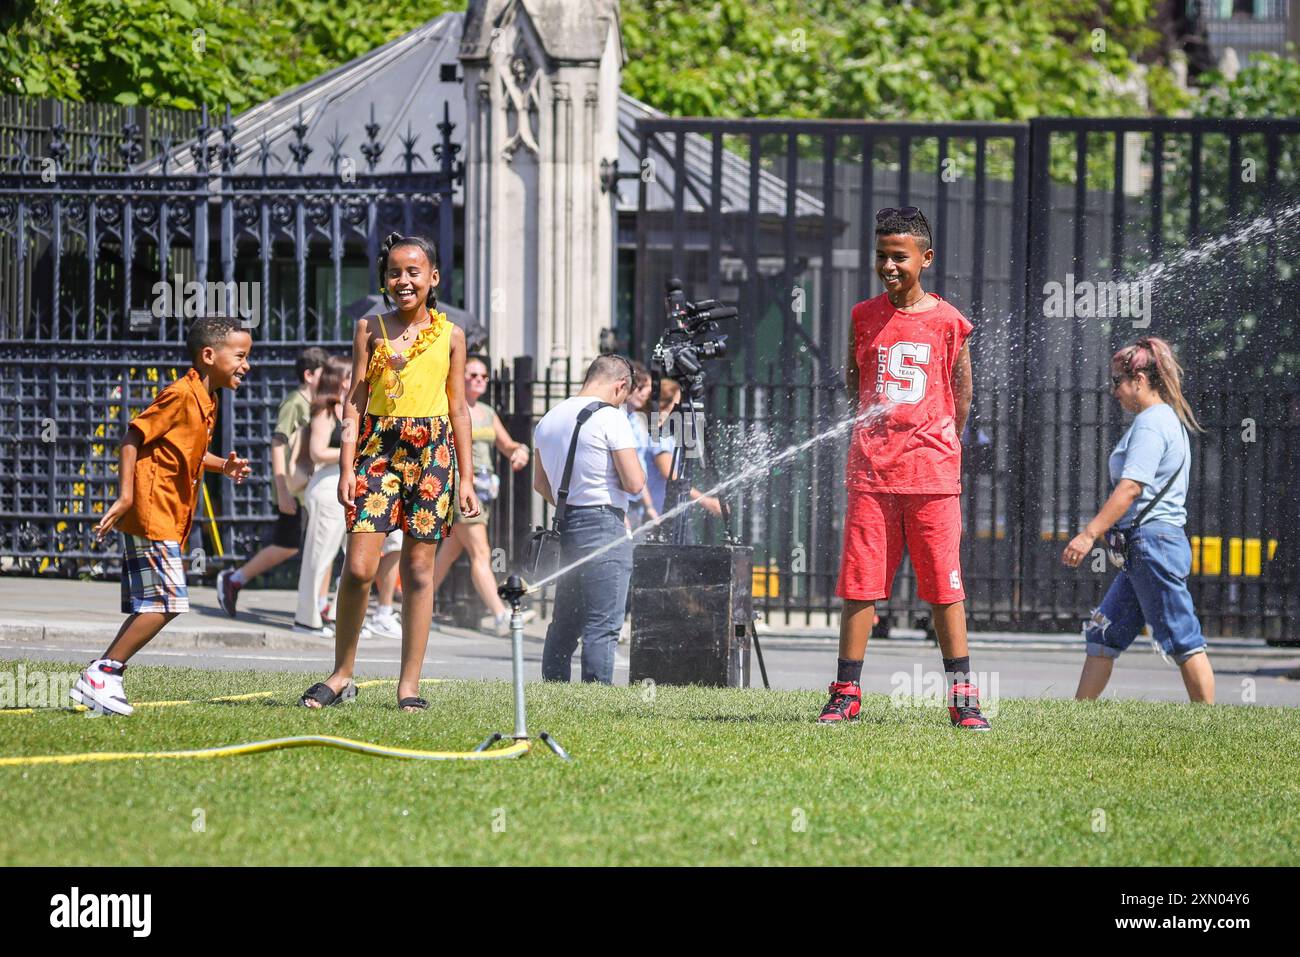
{"x":845,"y":703}
{"x":964,"y":708}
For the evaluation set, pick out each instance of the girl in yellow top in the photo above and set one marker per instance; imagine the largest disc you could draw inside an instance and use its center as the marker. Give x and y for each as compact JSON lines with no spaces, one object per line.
{"x":402,"y":461}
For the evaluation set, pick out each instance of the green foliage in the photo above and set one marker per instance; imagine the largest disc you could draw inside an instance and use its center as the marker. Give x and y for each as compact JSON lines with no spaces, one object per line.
{"x":1268,"y":85}
{"x":181,"y":53}
{"x":861,"y":59}
{"x":875,"y":59}
{"x":872,"y":59}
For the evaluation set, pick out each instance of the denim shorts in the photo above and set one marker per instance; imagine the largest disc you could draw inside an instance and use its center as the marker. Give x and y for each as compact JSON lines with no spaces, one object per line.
{"x":1152,"y":590}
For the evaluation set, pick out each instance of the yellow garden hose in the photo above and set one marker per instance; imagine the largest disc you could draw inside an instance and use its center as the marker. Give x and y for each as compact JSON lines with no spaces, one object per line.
{"x":251,"y":696}
{"x":513,"y":750}
{"x":278,"y":744}
{"x":512,"y":589}
{"x":147,"y":704}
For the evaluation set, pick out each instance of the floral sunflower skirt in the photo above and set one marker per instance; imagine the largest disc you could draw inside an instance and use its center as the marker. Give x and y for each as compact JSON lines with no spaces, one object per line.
{"x":405,"y":474}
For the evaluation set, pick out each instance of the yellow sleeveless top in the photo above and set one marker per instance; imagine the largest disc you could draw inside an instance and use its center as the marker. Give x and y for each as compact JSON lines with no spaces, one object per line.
{"x":419,"y":388}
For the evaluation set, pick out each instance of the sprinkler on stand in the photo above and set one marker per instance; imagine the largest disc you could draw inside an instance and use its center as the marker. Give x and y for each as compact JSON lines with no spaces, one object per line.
{"x":512,"y":591}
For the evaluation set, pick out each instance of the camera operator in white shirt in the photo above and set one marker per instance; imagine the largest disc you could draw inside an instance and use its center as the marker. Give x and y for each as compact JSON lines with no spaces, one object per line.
{"x":590,"y":599}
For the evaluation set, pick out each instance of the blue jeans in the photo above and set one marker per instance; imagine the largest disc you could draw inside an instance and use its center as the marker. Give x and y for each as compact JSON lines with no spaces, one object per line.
{"x":589,"y":600}
{"x":1152,"y":590}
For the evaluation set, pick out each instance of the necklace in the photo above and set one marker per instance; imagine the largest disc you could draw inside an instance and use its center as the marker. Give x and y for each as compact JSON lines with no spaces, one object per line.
{"x":412,"y":327}
{"x":393,"y":361}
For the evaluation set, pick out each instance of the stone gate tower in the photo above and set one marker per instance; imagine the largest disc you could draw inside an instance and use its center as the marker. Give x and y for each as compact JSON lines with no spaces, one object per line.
{"x":542,"y":84}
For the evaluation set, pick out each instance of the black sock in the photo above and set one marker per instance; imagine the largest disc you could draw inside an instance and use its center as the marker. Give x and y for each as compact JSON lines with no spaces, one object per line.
{"x":848,"y":670}
{"x":956,"y":670}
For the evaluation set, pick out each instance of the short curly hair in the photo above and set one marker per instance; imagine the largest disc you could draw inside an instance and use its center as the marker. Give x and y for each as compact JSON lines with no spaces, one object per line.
{"x":210,"y":331}
{"x":916,"y":226}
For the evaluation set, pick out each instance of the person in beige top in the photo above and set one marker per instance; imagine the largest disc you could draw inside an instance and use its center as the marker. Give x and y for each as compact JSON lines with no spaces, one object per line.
{"x":469,"y":535}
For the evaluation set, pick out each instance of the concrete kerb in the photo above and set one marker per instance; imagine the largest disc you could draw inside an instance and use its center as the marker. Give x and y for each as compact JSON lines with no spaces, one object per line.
{"x":278,"y":639}
{"x":75,"y":632}
{"x":88,"y":612}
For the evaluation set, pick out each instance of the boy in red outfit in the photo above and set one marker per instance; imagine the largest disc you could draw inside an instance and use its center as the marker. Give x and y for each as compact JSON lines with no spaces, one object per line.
{"x":909,"y":367}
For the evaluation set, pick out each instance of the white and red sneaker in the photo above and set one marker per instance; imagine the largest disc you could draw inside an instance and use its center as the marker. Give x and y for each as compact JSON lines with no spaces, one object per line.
{"x":100,"y":688}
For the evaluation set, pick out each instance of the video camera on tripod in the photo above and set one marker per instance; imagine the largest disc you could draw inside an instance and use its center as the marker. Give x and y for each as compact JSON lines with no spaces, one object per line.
{"x":692,"y":335}
{"x":690,"y":338}
{"x":692,"y":605}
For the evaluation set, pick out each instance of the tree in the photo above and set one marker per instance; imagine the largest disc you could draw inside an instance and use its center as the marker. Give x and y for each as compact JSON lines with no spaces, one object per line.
{"x":873,"y":59}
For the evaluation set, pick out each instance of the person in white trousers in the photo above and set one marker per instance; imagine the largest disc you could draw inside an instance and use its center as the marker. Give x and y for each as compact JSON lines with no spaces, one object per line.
{"x":326,"y":522}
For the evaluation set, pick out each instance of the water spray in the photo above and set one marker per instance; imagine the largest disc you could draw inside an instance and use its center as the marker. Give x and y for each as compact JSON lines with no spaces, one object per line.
{"x":753,"y":471}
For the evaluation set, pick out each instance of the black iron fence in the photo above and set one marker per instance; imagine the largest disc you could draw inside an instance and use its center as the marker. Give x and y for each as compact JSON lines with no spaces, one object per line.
{"x":119,"y":137}
{"x":1244,"y":522}
{"x":1061,"y":239}
{"x":775,"y":217}
{"x":62,"y":419}
{"x":106,"y":251}
{"x":90,"y":255}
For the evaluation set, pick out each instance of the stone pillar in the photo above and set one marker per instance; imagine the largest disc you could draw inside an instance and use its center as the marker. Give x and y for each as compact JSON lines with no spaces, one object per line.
{"x":542,"y":82}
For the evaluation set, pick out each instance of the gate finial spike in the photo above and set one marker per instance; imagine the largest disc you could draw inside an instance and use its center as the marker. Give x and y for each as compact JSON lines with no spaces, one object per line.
{"x":300,"y":149}
{"x":409,"y":156}
{"x":372,"y":149}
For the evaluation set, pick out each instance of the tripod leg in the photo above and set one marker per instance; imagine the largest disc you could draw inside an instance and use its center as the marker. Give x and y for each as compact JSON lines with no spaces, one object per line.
{"x":491,"y":740}
{"x":555,"y":746}
{"x":758,"y":650}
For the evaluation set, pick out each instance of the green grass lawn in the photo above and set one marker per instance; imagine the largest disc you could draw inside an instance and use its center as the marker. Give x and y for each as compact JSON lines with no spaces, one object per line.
{"x":693,"y":776}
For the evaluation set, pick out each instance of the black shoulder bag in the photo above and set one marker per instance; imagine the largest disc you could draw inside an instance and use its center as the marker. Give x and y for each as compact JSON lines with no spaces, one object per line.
{"x":1118,"y":539}
{"x":544,"y":545}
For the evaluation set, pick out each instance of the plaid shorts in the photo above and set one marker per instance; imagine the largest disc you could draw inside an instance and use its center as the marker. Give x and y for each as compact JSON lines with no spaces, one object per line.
{"x":153,"y":577}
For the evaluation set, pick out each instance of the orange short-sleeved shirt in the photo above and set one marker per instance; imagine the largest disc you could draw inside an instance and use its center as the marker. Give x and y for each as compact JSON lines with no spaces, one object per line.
{"x":176,"y":430}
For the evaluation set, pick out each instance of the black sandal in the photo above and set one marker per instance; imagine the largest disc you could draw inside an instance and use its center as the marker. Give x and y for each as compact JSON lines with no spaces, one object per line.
{"x":325,"y":696}
{"x":419,"y":704}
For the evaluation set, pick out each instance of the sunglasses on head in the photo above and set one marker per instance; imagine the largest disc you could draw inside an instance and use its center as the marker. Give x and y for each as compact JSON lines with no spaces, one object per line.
{"x":904,"y":212}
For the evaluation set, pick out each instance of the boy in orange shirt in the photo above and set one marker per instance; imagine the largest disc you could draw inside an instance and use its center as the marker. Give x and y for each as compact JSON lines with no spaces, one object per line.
{"x":163,"y":458}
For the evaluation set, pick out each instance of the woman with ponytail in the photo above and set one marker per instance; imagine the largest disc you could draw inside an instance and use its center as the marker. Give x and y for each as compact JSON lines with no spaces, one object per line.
{"x":1143,"y":523}
{"x":404,"y":455}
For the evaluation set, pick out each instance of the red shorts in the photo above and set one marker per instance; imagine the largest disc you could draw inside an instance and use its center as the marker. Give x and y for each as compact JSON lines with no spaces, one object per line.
{"x":875,"y":528}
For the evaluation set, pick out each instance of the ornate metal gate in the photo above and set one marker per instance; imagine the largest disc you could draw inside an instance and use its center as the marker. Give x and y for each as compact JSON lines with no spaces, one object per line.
{"x":100,"y":272}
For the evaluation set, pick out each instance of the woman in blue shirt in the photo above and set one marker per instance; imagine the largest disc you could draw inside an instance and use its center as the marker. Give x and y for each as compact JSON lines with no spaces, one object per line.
{"x":1149,"y":469}
{"x":642,"y":508}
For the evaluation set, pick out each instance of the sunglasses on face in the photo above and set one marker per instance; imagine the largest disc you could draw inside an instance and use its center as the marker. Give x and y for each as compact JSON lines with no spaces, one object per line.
{"x":1115,"y":380}
{"x":476,"y":375}
{"x":905,"y":212}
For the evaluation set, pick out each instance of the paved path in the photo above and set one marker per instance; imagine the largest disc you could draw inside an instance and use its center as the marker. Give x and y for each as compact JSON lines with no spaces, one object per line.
{"x":63,"y":621}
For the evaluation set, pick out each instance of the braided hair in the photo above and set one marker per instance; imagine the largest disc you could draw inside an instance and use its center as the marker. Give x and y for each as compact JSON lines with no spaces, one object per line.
{"x":393,"y":241}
